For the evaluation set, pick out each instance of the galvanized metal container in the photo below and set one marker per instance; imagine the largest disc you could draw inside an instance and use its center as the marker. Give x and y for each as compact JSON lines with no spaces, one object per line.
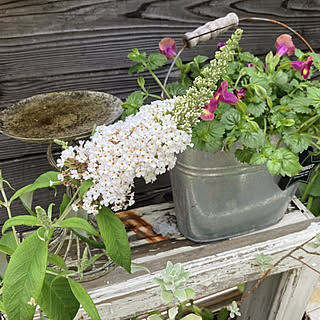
{"x":217,"y":197}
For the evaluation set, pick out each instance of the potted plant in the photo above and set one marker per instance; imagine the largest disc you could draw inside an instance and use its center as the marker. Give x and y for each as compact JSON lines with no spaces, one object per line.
{"x":250,"y":120}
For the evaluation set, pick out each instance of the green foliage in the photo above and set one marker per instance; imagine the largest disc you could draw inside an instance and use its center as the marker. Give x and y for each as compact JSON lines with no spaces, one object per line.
{"x":78,"y":223}
{"x":156,"y":60}
{"x":84,"y":299}
{"x":115,"y":238}
{"x":234,"y":310}
{"x":57,"y":299}
{"x":21,"y":220}
{"x":264,"y":262}
{"x":24,"y":278}
{"x":8,"y":243}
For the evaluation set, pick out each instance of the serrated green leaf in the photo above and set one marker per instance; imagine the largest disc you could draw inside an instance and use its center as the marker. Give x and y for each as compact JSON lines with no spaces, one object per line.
{"x":30,"y":221}
{"x":135,"y":99}
{"x":24,"y":278}
{"x":57,"y":261}
{"x":252,"y":139}
{"x":85,"y":300}
{"x":298,"y":53}
{"x":176,"y":89}
{"x":201,"y":59}
{"x":141,"y":82}
{"x":314,"y":96}
{"x":257,"y":109}
{"x":115,"y":238}
{"x":136,"y":56}
{"x":258,"y":159}
{"x":77,"y":223}
{"x":297,"y":142}
{"x":284,"y":162}
{"x":316,"y":60}
{"x":57,"y":299}
{"x":43,"y":181}
{"x":230,"y":118}
{"x":244,"y":155}
{"x":300,"y":104}
{"x":136,"y":68}
{"x":207,"y":135}
{"x":156,"y":60}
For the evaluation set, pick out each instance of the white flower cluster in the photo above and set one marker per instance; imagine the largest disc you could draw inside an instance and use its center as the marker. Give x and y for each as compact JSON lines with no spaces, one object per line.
{"x":144,"y":145}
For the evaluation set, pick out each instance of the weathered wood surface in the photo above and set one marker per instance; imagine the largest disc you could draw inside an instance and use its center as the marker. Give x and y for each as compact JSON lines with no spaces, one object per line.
{"x":213,"y":266}
{"x":54,"y":45}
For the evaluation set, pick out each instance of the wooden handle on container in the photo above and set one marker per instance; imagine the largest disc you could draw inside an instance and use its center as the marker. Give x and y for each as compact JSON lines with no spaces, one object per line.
{"x":210,"y":30}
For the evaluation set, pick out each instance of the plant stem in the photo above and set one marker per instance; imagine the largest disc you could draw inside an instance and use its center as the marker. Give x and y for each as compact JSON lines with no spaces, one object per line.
{"x":310,"y":267}
{"x":158,"y":82}
{"x":313,"y":179}
{"x":309,"y":204}
{"x":7,"y":205}
{"x":68,"y":207}
{"x":155,"y":96}
{"x":309,"y":122}
{"x":278,"y":144}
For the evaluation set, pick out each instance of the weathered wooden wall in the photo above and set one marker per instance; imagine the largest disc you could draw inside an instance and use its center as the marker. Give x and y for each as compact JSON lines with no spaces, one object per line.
{"x":57,"y":45}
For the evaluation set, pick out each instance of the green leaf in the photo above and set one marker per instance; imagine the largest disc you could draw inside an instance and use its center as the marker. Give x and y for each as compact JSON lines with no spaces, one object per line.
{"x":64,"y":203}
{"x":201,"y":59}
{"x":257,"y":109}
{"x":8,"y":243}
{"x":176,"y":89}
{"x":298,"y":53}
{"x":85,"y":186}
{"x":115,"y":238}
{"x":223,"y":314}
{"x":30,"y":221}
{"x":135,"y":99}
{"x":26,"y":200}
{"x":57,"y":260}
{"x":3,"y":264}
{"x":314,"y":96}
{"x":189,"y":293}
{"x":2,"y":307}
{"x":136,"y":68}
{"x":166,"y":297}
{"x":156,"y":60}
{"x":141,"y":82}
{"x":315,"y":187}
{"x":57,"y":299}
{"x":315,"y":59}
{"x":244,"y":155}
{"x":78,"y":223}
{"x":207,"y":135}
{"x":136,"y":56}
{"x":252,"y":139}
{"x":300,"y":104}
{"x":85,"y":300}
{"x":24,"y":278}
{"x":296,"y":142}
{"x":258,"y":158}
{"x":284,"y":162}
{"x":230,"y":118}
{"x":43,"y":181}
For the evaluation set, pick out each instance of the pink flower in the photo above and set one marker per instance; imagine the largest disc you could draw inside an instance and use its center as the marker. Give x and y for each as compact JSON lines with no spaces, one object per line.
{"x":222,"y":95}
{"x":303,"y":66}
{"x":284,"y":45}
{"x":220,"y":45}
{"x":167,"y":47}
{"x":241,"y":93}
{"x":250,"y":65}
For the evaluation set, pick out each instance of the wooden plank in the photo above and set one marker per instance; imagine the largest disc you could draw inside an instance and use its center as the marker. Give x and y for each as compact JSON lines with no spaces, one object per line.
{"x":213,"y":268}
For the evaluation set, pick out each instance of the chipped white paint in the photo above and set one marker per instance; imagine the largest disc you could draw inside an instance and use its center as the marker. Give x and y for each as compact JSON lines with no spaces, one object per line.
{"x":209,"y":274}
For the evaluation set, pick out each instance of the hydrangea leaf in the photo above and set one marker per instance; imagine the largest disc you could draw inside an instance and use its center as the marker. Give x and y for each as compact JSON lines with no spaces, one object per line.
{"x":300,"y":104}
{"x":258,"y":158}
{"x":175,"y":89}
{"x":136,"y":56}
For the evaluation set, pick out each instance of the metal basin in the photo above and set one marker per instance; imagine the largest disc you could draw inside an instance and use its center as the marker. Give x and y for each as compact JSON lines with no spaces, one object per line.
{"x":217,"y":197}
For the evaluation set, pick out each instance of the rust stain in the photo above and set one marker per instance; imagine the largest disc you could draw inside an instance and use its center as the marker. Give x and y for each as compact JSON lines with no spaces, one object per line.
{"x":139,"y":226}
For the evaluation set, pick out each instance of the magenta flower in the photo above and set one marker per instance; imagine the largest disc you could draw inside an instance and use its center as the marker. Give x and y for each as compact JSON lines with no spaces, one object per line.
{"x":209,"y":109}
{"x":250,"y":65}
{"x":222,"y":95}
{"x":167,"y":47}
{"x":303,"y":66}
{"x":225,"y":96}
{"x":241,"y":93}
{"x":284,"y":45}
{"x":220,"y":45}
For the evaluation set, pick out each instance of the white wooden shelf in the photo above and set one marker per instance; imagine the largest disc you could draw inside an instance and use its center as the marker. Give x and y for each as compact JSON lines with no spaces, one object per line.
{"x":214,"y":266}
